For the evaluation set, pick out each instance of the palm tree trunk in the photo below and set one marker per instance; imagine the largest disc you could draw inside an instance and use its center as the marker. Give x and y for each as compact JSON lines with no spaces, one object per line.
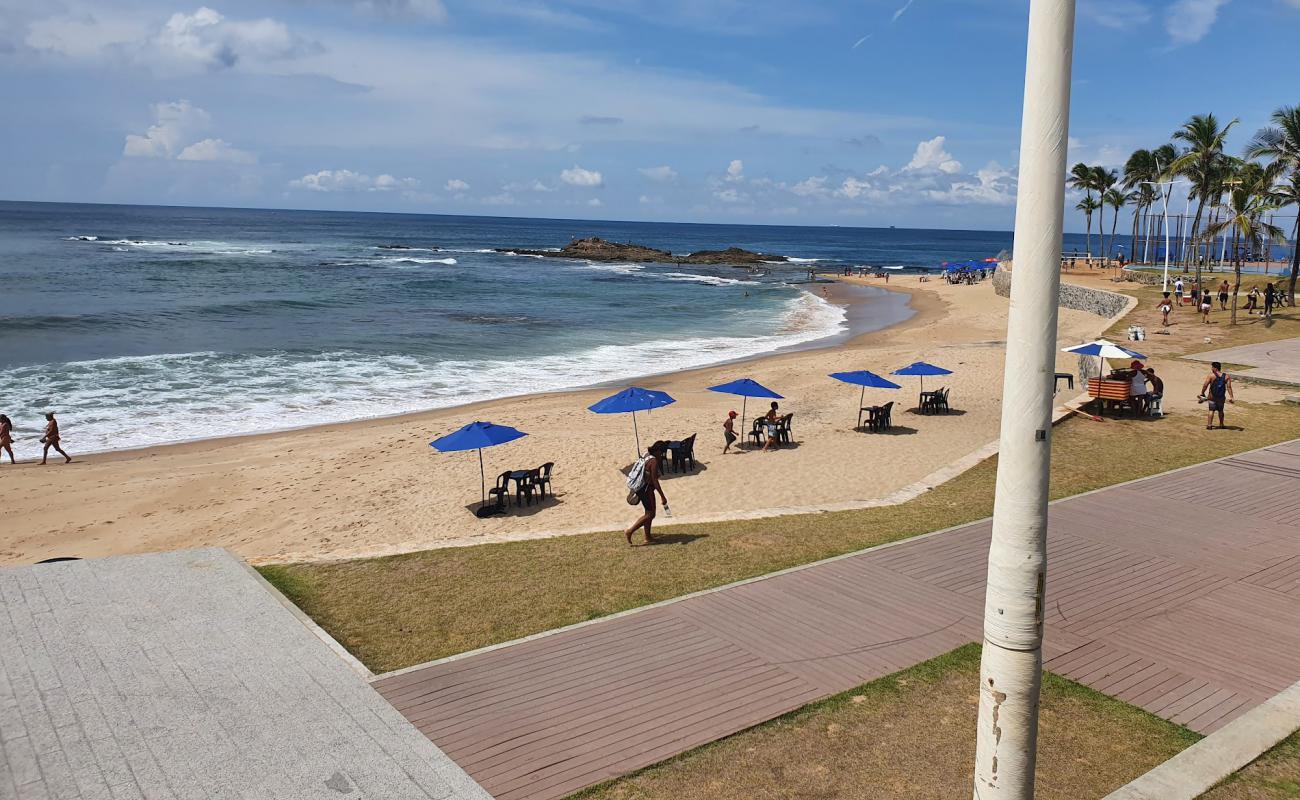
{"x":1196,"y":224}
{"x":1295,"y":258}
{"x":1011,"y":662}
{"x":1101,"y":230}
{"x":1133,"y":240}
{"x":1236,"y":269}
{"x":1114,"y":223}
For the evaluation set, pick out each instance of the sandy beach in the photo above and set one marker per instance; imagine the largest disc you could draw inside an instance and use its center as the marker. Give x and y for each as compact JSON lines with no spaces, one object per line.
{"x":376,"y":487}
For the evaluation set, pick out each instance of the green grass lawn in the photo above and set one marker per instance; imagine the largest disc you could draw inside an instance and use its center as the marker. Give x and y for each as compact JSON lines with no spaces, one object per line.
{"x":910,"y":736}
{"x":1273,"y":776}
{"x":401,"y":610}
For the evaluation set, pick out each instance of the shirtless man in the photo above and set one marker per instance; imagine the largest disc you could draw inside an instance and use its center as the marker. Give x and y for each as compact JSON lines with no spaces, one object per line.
{"x":51,"y":439}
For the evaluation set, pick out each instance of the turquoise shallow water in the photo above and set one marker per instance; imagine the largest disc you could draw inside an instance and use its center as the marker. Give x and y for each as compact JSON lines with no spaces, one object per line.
{"x":144,"y":325}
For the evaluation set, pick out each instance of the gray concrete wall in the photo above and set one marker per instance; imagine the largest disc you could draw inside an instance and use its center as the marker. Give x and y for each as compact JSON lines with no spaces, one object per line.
{"x":1079,"y":298}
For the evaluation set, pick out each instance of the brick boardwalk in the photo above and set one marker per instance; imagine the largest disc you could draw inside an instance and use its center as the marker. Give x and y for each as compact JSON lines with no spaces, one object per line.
{"x":178,"y":675}
{"x":1179,"y":594}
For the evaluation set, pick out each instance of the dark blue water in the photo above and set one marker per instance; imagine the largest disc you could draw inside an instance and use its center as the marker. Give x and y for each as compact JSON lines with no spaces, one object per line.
{"x":143,"y":325}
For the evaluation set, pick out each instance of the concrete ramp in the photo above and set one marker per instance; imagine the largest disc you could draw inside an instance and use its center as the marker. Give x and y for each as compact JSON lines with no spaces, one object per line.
{"x":180,"y":675}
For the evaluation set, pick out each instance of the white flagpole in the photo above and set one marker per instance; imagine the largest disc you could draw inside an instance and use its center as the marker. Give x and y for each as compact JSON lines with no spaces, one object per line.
{"x":1012,"y":661}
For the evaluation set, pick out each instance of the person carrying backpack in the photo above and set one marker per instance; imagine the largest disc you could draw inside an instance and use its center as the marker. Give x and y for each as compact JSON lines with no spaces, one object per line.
{"x":642,"y":483}
{"x":1218,"y":388}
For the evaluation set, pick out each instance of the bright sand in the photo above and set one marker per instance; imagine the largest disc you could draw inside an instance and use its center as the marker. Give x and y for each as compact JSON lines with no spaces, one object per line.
{"x":376,"y":487}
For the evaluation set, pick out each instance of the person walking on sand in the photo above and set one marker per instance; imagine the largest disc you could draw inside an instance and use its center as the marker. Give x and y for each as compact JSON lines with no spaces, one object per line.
{"x":1218,"y":388}
{"x":1166,"y":305}
{"x":1178,"y":289}
{"x":729,"y":432}
{"x":1252,"y":300}
{"x":646,"y":475}
{"x":51,"y":439}
{"x":6,"y":439}
{"x":1270,"y":298}
{"x":1224,"y":288}
{"x":1207,"y":305}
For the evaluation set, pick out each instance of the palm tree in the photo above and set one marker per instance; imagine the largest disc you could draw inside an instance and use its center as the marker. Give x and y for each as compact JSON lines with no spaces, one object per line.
{"x":1082,"y":177}
{"x":1116,"y":199}
{"x":1144,"y":197}
{"x":1140,"y":169}
{"x":1103,"y":180}
{"x":1201,"y":165}
{"x":1088,"y":205}
{"x":1243,"y":210}
{"x":1281,"y":143}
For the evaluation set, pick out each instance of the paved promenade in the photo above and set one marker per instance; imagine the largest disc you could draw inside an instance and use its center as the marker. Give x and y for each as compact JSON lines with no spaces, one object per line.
{"x":1274,"y":362}
{"x":1179,"y":593}
{"x":180,"y":675}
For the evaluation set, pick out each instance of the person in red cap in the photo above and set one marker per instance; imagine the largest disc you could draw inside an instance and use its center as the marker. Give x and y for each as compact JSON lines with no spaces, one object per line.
{"x":729,"y":431}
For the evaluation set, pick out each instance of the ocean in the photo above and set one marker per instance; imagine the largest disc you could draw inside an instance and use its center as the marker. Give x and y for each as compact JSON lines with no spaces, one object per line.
{"x":143,"y":325}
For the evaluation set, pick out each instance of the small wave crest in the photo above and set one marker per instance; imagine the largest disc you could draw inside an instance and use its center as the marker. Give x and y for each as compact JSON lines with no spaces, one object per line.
{"x":209,"y":394}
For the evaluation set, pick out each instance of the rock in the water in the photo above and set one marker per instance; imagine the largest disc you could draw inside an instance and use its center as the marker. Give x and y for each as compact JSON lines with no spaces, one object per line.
{"x":597,"y":249}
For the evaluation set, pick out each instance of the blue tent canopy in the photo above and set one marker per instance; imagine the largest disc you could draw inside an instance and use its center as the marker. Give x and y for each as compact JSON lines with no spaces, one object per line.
{"x":476,"y":436}
{"x":633,"y":399}
{"x":921,"y":368}
{"x":746,"y":387}
{"x":865,"y":379}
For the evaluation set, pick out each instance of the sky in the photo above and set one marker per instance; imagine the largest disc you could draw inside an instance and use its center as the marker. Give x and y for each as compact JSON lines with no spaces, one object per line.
{"x":819,"y":112}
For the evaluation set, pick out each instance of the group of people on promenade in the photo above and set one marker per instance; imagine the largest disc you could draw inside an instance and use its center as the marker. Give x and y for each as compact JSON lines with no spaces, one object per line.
{"x":50,"y":439}
{"x":1202,"y":299}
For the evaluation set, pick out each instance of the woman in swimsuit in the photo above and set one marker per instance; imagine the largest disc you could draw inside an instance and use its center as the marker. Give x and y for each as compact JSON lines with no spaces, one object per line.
{"x":6,"y":439}
{"x":51,"y":439}
{"x":653,"y":454}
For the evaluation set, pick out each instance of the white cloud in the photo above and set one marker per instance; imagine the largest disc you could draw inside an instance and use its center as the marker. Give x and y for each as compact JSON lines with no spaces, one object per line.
{"x":456,"y":185}
{"x":428,"y":10}
{"x":930,"y":155}
{"x":735,"y":170}
{"x":647,"y":200}
{"x":174,"y":125}
{"x":900,"y":12}
{"x":527,"y":186}
{"x":577,"y":176}
{"x":1117,"y":14}
{"x":992,"y":185}
{"x":345,"y":180}
{"x":215,"y":150}
{"x":666,"y":173}
{"x":728,"y":196}
{"x":204,"y":40}
{"x":1188,"y":21}
{"x":809,"y":187}
{"x":853,"y":188}
{"x":595,"y":202}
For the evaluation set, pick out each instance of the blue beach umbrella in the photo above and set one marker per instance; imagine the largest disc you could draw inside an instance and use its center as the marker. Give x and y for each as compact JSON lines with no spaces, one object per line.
{"x":865,"y":379}
{"x":476,"y":436}
{"x":746,"y":388}
{"x":921,"y":369}
{"x":632,"y":400}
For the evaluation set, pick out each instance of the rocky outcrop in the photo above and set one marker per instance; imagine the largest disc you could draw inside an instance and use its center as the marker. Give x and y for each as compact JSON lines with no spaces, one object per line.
{"x":596,"y":249}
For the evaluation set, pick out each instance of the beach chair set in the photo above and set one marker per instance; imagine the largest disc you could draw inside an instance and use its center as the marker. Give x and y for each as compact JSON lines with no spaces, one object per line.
{"x":879,"y":418}
{"x":681,"y":455}
{"x":935,"y":401}
{"x":758,"y":432}
{"x":529,"y":484}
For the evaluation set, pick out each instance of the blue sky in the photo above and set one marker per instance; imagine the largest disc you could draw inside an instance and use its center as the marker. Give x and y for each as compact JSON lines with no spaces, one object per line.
{"x":874,"y":113}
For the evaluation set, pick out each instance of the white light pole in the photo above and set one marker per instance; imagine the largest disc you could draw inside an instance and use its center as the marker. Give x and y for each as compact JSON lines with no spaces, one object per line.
{"x":1164,"y":202}
{"x":1011,"y":666}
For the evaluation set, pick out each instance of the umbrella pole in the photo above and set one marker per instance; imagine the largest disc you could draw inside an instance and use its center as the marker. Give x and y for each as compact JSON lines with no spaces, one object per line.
{"x":637,"y":434}
{"x":744,"y":419}
{"x":482,"y":480}
{"x":861,"y":398}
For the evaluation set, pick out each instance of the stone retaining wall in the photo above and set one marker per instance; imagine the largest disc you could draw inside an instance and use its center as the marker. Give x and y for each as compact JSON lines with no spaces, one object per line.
{"x":1080,"y":298}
